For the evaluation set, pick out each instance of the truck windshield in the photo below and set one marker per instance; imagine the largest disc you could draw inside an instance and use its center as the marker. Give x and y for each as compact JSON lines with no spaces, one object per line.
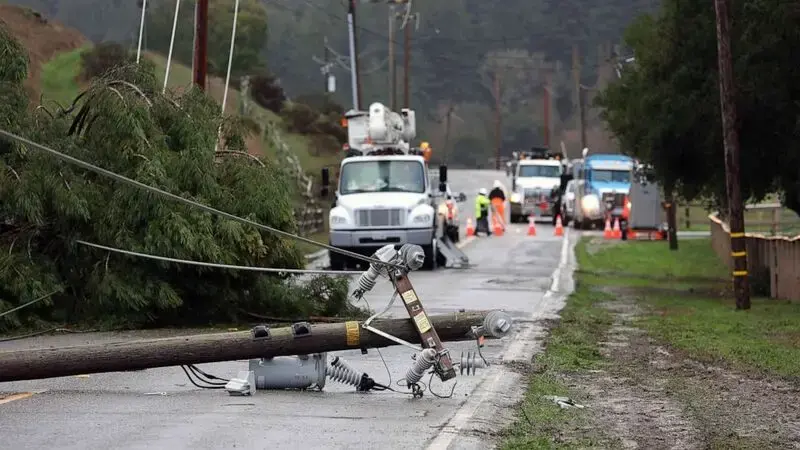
{"x":611,"y":176}
{"x":382,"y":176}
{"x":530,"y":170}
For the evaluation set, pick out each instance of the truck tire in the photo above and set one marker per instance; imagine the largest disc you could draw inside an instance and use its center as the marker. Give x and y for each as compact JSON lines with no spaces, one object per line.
{"x":431,"y":257}
{"x":338,"y":261}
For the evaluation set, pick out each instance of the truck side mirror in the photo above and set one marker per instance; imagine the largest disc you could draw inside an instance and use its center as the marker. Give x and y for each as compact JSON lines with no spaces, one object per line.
{"x":514,"y":184}
{"x":443,"y":174}
{"x":326,"y":182}
{"x":442,"y":187}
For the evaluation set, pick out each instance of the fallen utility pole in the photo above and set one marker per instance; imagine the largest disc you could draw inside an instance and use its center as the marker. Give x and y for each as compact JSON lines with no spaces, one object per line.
{"x":260,"y":342}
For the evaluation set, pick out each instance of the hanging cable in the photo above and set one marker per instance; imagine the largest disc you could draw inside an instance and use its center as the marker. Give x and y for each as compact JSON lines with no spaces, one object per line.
{"x":228,"y":75}
{"x":36,"y":300}
{"x":141,"y":32}
{"x":139,"y":185}
{"x":216,"y":265}
{"x":171,"y":45}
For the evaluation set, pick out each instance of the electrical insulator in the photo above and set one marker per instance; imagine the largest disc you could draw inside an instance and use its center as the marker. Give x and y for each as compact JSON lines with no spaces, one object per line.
{"x":423,"y":362}
{"x":341,"y":372}
{"x":413,"y":256}
{"x":367,"y":280}
{"x":471,"y":361}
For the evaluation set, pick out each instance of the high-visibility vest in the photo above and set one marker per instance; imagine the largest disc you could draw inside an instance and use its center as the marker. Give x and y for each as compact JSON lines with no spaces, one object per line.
{"x":451,"y":209}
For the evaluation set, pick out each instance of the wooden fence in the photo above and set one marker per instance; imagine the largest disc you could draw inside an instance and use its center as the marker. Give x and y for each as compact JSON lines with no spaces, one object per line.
{"x":773,"y":262}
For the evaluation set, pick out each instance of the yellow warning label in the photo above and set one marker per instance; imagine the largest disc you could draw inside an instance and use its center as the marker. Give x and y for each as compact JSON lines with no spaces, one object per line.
{"x":410,"y":296}
{"x":353,"y":333}
{"x":423,"y":324}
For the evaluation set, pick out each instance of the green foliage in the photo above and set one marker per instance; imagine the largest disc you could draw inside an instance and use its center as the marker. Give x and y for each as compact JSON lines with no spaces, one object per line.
{"x":102,"y":58}
{"x":267,"y":93}
{"x":304,"y":119}
{"x":122,"y":123}
{"x":666,"y":110}
{"x":251,"y":34}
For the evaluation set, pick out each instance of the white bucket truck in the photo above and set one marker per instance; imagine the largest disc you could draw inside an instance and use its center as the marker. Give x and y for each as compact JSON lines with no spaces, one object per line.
{"x":384,"y":194}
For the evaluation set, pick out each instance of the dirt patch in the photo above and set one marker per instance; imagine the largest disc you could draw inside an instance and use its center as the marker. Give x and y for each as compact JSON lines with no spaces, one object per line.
{"x":41,"y":37}
{"x":652,"y":397}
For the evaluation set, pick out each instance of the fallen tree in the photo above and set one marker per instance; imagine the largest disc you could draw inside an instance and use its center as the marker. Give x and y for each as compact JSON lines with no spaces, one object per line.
{"x":123,"y":123}
{"x":33,"y":364}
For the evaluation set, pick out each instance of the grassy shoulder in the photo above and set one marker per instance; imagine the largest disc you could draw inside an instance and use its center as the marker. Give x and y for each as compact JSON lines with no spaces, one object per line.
{"x":683,"y":303}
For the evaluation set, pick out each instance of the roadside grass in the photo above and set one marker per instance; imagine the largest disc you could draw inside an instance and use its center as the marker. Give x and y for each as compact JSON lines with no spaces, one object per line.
{"x":686,"y":304}
{"x":572,"y":347}
{"x":695,"y":218}
{"x":60,"y":78}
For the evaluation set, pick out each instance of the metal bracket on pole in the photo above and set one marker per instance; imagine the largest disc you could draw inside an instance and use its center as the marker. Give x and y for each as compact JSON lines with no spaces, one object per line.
{"x":427,"y":334}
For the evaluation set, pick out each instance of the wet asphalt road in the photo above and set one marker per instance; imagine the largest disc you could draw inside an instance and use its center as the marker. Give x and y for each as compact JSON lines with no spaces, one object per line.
{"x":526,"y":276}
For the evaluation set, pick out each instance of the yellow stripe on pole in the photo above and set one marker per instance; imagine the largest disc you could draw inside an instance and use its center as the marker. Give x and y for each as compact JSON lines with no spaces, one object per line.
{"x":738,"y":254}
{"x":737,"y":235}
{"x":740,"y":273}
{"x":353,"y":333}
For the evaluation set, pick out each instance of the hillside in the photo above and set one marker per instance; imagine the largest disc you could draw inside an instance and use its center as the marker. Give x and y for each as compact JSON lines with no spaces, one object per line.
{"x":55,"y":53}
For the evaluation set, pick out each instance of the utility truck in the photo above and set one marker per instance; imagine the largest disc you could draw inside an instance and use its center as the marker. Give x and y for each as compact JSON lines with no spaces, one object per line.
{"x":536,"y":174}
{"x":602,"y":186}
{"x":385,"y":194}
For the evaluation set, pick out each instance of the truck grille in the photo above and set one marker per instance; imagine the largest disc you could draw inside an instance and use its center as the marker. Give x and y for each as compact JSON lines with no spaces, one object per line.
{"x":380,"y":217}
{"x":534,"y":195}
{"x":618,"y":199}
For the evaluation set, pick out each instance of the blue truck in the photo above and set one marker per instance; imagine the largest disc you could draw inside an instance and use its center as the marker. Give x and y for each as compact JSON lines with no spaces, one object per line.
{"x":602,"y":186}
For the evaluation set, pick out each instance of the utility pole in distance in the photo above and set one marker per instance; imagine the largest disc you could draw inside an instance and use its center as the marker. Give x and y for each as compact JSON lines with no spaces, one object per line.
{"x":392,"y":61}
{"x":741,"y":286}
{"x":354,"y":75}
{"x":407,"y":62}
{"x":200,"y":59}
{"x":498,"y":122}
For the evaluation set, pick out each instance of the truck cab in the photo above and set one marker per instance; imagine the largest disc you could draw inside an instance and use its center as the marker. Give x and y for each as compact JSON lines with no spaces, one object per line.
{"x":602,"y":189}
{"x":385,"y":194}
{"x":535,"y":176}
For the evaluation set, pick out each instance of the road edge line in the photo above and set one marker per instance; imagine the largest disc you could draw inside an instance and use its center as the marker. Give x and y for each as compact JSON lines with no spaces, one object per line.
{"x":466,"y":412}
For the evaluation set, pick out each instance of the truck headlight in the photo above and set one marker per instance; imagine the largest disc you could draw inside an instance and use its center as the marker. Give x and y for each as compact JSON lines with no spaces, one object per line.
{"x":590,"y":202}
{"x":515,"y":198}
{"x":422,"y":218}
{"x":337,"y":220}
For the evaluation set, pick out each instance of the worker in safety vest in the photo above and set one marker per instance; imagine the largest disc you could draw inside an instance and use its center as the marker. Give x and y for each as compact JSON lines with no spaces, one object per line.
{"x":498,"y":198}
{"x":426,"y":151}
{"x":482,"y":205}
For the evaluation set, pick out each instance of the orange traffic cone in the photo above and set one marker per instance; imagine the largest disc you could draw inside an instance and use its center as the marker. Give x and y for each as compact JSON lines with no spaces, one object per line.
{"x":559,"y":231}
{"x":470,"y":227}
{"x":616,"y":232}
{"x":498,"y":227}
{"x":607,"y":233}
{"x":531,"y":226}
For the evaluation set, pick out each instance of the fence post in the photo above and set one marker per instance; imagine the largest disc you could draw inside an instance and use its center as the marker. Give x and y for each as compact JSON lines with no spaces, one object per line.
{"x":776,"y":217}
{"x":688,"y":219}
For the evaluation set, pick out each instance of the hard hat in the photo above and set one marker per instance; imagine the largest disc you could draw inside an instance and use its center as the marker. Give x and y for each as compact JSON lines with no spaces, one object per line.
{"x":424,"y":145}
{"x":483,"y":191}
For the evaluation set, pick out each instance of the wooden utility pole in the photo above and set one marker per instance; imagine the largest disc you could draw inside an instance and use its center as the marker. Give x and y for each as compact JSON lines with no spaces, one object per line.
{"x":353,"y":35}
{"x":392,"y":61}
{"x":727,"y":97}
{"x":200,"y":59}
{"x":578,"y":95}
{"x":546,"y":98}
{"x":32,"y":364}
{"x":407,"y":63}
{"x":447,"y":122}
{"x":498,"y":122}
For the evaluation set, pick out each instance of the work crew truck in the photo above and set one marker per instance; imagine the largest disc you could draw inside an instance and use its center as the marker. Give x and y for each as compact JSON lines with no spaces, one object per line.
{"x":385,"y":194}
{"x":535,"y":175}
{"x":601,"y":190}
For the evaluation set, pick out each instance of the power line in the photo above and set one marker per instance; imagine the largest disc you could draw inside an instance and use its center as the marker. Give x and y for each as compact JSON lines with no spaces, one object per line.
{"x":216,"y":265}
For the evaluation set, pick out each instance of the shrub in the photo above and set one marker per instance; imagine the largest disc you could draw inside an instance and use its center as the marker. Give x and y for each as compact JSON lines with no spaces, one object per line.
{"x":300,"y":118}
{"x":102,"y":58}
{"x":267,"y":92}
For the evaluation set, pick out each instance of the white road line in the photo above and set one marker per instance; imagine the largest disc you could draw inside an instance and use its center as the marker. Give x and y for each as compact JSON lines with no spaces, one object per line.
{"x":513,"y":352}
